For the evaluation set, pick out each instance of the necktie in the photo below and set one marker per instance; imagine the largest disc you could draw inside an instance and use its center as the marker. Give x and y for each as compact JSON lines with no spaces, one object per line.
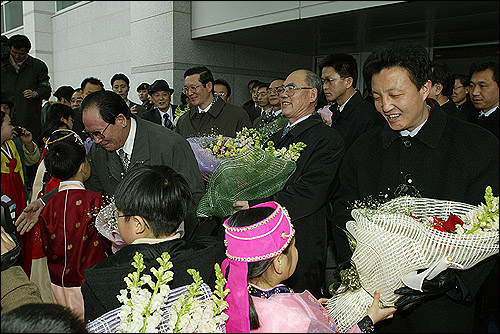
{"x":124,"y":159}
{"x":166,"y":122}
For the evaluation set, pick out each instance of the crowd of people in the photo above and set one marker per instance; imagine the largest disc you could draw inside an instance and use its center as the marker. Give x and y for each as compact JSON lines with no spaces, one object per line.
{"x":418,"y":128}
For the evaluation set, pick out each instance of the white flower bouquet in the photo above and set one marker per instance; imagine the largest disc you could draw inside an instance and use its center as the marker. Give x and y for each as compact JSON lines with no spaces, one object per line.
{"x":401,"y":236}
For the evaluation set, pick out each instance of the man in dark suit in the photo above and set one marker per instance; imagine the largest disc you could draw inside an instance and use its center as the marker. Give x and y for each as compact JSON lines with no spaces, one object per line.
{"x":442,"y":90}
{"x":416,"y":149}
{"x":461,"y":97}
{"x":163,"y":112}
{"x":251,"y":105}
{"x":308,"y":190}
{"x":352,"y":115}
{"x":120,"y":84}
{"x":484,"y":94}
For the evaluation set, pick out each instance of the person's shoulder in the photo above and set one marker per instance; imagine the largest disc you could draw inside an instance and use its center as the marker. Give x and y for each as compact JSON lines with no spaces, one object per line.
{"x":470,"y":132}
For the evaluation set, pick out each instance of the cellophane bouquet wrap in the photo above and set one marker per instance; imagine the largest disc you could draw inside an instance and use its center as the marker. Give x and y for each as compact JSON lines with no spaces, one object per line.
{"x":244,"y":176}
{"x":392,"y":243}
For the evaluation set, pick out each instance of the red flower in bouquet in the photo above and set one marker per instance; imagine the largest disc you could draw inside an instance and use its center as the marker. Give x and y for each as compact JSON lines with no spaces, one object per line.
{"x":448,"y":225}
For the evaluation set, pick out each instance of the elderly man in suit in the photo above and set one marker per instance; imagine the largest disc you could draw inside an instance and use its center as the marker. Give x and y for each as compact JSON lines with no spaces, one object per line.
{"x":163,"y":112}
{"x":308,"y":190}
{"x":121,"y":142}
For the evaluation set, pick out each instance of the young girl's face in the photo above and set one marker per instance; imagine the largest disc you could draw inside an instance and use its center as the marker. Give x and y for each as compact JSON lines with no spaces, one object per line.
{"x":7,"y":128}
{"x":291,"y":258}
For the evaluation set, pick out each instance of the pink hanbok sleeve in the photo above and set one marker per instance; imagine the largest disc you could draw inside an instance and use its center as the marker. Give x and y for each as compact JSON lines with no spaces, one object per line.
{"x":294,"y":313}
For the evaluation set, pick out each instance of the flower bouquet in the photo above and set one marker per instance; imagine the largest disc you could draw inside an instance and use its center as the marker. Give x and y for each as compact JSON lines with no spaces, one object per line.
{"x":246,"y":171}
{"x":396,"y":239}
{"x":107,"y":225}
{"x":326,"y":114}
{"x":187,"y":309}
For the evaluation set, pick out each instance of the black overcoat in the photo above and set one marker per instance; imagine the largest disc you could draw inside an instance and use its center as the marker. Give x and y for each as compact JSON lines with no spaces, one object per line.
{"x":448,"y":159}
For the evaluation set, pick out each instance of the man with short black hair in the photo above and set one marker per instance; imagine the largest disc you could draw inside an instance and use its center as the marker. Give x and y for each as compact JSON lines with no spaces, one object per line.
{"x":484,"y":94}
{"x":414,"y":152}
{"x":25,"y":81}
{"x":64,"y":94}
{"x":222,"y":89}
{"x":461,"y":97}
{"x":442,"y":89}
{"x":120,"y":84}
{"x":351,"y":114}
{"x":251,"y":106}
{"x":209,"y":114}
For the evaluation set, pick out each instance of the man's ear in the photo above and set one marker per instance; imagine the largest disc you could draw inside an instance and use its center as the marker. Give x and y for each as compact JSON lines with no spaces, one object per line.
{"x":140,"y":225}
{"x":426,"y":89}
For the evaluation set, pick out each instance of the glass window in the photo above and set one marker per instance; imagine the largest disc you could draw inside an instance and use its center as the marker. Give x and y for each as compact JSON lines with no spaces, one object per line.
{"x":63,"y":4}
{"x":12,"y":15}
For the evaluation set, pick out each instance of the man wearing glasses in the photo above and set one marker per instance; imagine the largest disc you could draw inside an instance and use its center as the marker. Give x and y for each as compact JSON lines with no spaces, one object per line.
{"x":210,"y":113}
{"x":123,"y":141}
{"x":307,"y":192}
{"x":352,"y":115}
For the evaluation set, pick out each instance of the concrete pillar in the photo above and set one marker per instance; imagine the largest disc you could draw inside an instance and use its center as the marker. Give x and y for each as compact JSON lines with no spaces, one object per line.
{"x":37,"y":17}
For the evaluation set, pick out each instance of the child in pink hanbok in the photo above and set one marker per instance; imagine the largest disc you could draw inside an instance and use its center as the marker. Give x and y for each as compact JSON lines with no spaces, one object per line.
{"x":261,"y":254}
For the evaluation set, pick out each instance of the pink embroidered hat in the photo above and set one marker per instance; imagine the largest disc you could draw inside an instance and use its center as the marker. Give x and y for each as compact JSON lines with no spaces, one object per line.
{"x":260,"y":241}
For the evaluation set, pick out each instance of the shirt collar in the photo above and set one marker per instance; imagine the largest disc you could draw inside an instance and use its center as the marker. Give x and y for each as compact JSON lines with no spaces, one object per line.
{"x":341,"y":107}
{"x":430,"y":132}
{"x":66,"y":185}
{"x":489,"y":112}
{"x":209,"y":106}
{"x":128,"y":147}
{"x":298,"y":121}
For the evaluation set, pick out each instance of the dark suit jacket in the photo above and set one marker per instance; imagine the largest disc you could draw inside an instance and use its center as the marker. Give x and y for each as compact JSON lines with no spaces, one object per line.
{"x":153,"y":115}
{"x":104,"y":281}
{"x":357,"y":117}
{"x":306,"y":195}
{"x":252,"y":110}
{"x":382,"y":159}
{"x":153,"y":145}
{"x":140,"y":109}
{"x":468,"y":110}
{"x":490,"y":122}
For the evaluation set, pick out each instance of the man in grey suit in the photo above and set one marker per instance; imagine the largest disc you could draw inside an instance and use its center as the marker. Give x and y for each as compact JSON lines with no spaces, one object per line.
{"x":123,"y":141}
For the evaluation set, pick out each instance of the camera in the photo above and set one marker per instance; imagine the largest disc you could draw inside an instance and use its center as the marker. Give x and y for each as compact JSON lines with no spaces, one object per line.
{"x":18,"y":131}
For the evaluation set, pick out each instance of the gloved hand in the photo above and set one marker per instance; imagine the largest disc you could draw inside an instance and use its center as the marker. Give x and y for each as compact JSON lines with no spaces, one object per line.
{"x":442,"y":283}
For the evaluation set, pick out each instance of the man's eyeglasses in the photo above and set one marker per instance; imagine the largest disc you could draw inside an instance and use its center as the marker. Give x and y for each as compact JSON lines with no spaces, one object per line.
{"x":262,"y":93}
{"x":220,"y":94}
{"x":290,"y":89}
{"x":186,"y":90}
{"x":329,"y":80}
{"x":97,"y":134}
{"x":273,"y":90}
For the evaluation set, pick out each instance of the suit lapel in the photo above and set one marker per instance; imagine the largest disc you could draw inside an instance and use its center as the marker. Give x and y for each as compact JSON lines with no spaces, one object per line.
{"x":140,"y":152}
{"x":115,"y":167}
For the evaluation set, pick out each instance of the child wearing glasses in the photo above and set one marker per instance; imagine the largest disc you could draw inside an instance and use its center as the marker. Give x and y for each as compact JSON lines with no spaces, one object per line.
{"x":69,"y":237}
{"x":151,"y":205}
